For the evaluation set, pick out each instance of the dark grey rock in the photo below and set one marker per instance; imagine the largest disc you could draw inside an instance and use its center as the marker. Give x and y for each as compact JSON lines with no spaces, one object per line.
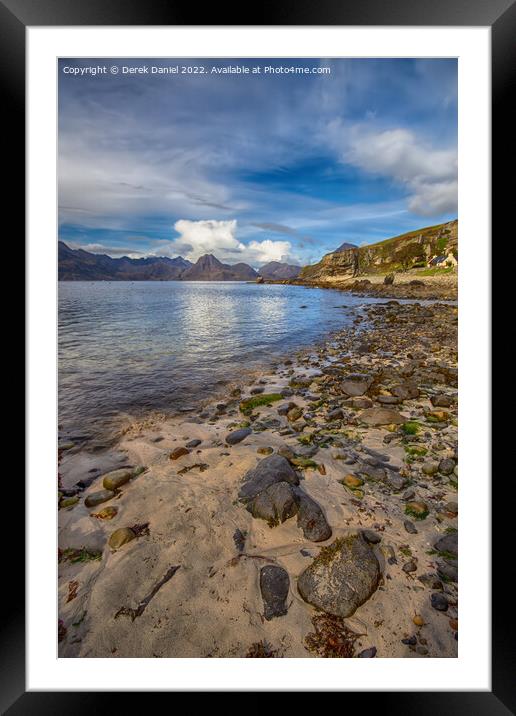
{"x":269,"y":471}
{"x":441,"y":401}
{"x":342,"y":577}
{"x":311,"y":519}
{"x":430,"y":580}
{"x":410,"y":527}
{"x":237,"y":436}
{"x":409,"y":566}
{"x":336,"y":414}
{"x":405,"y":391}
{"x":395,"y":482}
{"x":274,"y":586}
{"x":439,"y":602}
{"x":388,"y":400}
{"x":367,"y":653}
{"x":448,"y":543}
{"x":275,"y":504}
{"x":193,"y":443}
{"x":447,"y":569}
{"x":446,"y":466}
{"x":409,"y":641}
{"x":371,"y":537}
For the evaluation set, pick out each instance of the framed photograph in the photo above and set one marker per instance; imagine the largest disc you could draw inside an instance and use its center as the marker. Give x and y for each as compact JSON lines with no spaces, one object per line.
{"x":258,"y":264}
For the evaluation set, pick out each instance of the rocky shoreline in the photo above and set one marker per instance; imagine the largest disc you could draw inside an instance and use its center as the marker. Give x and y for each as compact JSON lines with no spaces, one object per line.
{"x":411,"y":288}
{"x":312,"y":513}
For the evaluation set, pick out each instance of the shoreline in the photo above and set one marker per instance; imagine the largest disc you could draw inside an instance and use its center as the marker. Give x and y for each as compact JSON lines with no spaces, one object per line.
{"x":212,"y":605}
{"x":411,"y":286}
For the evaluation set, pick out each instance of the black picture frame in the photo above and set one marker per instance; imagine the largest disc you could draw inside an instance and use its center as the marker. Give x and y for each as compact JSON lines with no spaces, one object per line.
{"x":500,"y":15}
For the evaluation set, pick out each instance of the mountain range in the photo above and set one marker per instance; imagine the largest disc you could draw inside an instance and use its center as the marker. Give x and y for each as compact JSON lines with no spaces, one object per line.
{"x":80,"y":265}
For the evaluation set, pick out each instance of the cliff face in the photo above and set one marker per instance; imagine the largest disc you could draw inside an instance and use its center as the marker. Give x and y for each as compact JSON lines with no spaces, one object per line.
{"x":412,"y":250}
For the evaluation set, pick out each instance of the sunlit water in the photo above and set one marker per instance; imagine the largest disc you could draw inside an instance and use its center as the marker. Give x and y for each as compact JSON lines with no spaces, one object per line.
{"x":129,"y":347}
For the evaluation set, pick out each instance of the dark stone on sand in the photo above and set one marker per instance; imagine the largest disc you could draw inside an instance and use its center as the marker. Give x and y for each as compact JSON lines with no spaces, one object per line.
{"x":410,"y":641}
{"x":439,"y":601}
{"x":343,"y":576}
{"x":311,"y":518}
{"x":448,"y":543}
{"x":367,"y":653}
{"x":237,"y":436}
{"x":274,"y":586}
{"x":410,"y":527}
{"x":193,"y":443}
{"x":371,"y":537}
{"x":275,"y":504}
{"x":269,"y":471}
{"x":447,"y":569}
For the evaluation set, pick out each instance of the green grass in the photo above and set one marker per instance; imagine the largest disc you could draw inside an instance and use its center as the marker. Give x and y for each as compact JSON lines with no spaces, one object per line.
{"x":79,"y":555}
{"x":416,"y":515}
{"x":447,"y":555}
{"x":247,"y":406}
{"x":414,"y":451}
{"x":435,"y":271}
{"x":441,"y":244}
{"x":412,"y":427}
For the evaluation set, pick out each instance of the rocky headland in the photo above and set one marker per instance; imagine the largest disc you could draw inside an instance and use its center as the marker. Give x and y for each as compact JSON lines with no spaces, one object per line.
{"x":311,"y":513}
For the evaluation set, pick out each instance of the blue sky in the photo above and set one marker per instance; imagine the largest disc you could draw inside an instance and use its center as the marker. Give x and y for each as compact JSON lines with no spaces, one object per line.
{"x":254,"y":167}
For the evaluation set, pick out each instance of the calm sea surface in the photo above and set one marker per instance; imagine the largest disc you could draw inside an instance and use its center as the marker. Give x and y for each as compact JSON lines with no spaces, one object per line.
{"x":129,"y":347}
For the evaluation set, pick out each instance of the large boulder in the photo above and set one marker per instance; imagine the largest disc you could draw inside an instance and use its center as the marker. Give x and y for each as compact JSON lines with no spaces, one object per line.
{"x":268,"y":472}
{"x":381,"y":416}
{"x":342,"y":577}
{"x":356,"y":384}
{"x":275,"y":504}
{"x":311,"y":519}
{"x":274,"y":586}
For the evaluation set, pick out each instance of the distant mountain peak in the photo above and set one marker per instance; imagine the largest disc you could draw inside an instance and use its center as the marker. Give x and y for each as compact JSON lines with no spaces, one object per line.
{"x":277,"y":270}
{"x":207,"y":260}
{"x":345,"y":247}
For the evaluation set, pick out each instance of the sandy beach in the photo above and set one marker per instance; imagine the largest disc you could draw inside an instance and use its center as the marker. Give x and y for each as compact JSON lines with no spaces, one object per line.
{"x":359,"y":435}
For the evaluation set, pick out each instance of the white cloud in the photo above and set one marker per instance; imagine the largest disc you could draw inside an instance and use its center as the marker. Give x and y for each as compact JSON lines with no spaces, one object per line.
{"x":429,"y":174}
{"x":197,"y":238}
